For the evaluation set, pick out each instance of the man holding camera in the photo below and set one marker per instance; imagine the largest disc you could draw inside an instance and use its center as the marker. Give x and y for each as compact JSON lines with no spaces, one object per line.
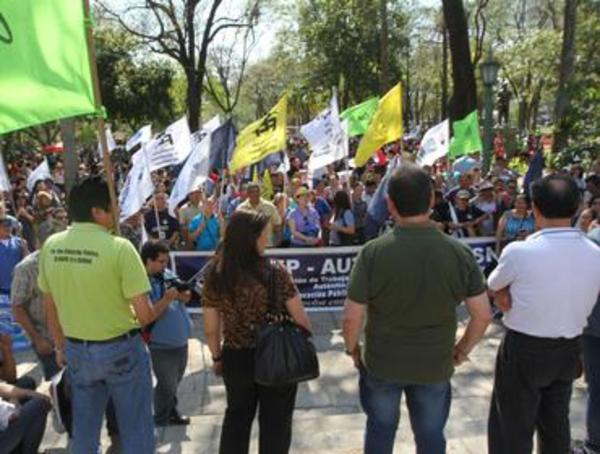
{"x":168,"y":336}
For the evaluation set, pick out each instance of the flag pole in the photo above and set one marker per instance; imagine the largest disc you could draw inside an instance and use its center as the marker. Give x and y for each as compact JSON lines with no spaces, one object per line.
{"x":108,"y":169}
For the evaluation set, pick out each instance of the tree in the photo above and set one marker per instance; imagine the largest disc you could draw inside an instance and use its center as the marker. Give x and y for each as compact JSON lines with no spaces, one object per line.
{"x":530,"y":66}
{"x":226,"y":70}
{"x":134,"y":91}
{"x":583,"y":117}
{"x":567,"y":69}
{"x":183,"y":31}
{"x":464,"y":96}
{"x":341,"y":45}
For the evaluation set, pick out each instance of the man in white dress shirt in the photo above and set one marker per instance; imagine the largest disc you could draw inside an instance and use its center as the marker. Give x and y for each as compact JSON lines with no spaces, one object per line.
{"x":548,"y":286}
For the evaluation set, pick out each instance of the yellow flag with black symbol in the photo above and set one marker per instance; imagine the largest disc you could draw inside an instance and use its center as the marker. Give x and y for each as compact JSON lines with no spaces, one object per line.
{"x":267,"y":191}
{"x":385,"y":126}
{"x":261,"y":138}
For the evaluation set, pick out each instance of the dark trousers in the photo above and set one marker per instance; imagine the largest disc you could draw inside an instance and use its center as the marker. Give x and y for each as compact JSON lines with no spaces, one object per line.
{"x":591,"y":360}
{"x":24,"y":434}
{"x":532,"y":391}
{"x":169,"y":366}
{"x":275,"y":408}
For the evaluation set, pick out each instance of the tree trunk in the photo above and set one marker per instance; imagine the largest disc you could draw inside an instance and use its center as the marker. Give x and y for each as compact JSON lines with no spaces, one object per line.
{"x":407,"y":90}
{"x":522,"y":122}
{"x":567,"y":68}
{"x":535,"y":106}
{"x":71,"y":161}
{"x":444,"y":104}
{"x":464,"y":96}
{"x":384,"y":75}
{"x":194,"y":101}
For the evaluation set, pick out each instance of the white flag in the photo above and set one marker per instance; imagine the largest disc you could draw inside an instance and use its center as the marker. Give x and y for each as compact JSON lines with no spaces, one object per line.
{"x":137,"y":188}
{"x":4,"y":181}
{"x":434,"y":144}
{"x":326,"y":136}
{"x":170,"y":147}
{"x":110,"y":142}
{"x":197,"y":167}
{"x":211,"y":124}
{"x":41,"y":172}
{"x":142,"y":136}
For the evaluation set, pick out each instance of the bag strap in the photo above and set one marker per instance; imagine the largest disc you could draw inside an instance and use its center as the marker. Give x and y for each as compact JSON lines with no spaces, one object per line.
{"x":271,"y":293}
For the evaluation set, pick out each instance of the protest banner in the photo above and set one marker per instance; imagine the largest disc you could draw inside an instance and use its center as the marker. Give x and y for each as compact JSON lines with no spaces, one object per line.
{"x":321,"y":274}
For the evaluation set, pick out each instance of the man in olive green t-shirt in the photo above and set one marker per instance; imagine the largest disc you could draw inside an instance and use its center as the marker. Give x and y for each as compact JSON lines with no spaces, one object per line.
{"x":95,"y":291}
{"x":407,"y":285}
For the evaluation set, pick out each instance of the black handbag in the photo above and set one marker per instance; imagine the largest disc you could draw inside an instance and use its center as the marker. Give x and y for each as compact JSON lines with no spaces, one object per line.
{"x":284,"y":353}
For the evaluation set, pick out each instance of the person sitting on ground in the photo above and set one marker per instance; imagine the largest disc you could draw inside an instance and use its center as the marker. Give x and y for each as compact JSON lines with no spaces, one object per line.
{"x":23,"y":415}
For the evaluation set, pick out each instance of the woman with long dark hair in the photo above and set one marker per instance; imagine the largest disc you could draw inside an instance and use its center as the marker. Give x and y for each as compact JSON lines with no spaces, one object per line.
{"x":236,"y":299}
{"x":342,"y":225}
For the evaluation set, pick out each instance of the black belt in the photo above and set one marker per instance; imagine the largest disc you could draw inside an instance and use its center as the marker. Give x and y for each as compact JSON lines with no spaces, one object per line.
{"x":127,"y":335}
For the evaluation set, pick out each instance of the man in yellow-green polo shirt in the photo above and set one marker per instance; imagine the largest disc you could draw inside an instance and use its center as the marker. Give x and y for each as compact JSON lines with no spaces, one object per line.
{"x":95,"y":288}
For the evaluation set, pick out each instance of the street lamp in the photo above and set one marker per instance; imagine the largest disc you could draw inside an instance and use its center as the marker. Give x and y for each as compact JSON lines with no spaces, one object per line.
{"x":489,"y":74}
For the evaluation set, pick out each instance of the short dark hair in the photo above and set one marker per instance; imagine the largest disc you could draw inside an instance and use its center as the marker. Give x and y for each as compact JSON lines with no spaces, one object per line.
{"x":556,"y":196}
{"x":410,"y":189}
{"x":152,"y":249}
{"x":91,"y":192}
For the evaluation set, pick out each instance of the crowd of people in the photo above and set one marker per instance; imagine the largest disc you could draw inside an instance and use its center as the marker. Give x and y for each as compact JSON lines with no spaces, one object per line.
{"x":57,"y":251}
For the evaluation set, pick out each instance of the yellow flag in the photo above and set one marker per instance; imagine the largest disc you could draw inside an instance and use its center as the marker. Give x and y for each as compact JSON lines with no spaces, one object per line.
{"x":267,"y":191}
{"x":261,"y":138}
{"x":385,"y":126}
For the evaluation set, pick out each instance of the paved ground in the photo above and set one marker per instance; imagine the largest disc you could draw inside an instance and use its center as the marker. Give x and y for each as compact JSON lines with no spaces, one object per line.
{"x":328,"y":418}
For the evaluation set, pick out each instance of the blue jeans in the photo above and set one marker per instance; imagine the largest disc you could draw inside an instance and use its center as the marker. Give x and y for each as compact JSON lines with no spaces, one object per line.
{"x":428,"y":408}
{"x":118,"y":370}
{"x":591,"y":358}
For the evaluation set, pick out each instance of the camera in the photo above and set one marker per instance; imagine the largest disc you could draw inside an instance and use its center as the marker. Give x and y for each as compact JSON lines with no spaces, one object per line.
{"x":178,"y":284}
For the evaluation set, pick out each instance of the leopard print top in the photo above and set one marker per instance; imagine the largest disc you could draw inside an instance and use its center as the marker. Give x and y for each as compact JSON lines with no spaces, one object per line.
{"x":249,"y":309}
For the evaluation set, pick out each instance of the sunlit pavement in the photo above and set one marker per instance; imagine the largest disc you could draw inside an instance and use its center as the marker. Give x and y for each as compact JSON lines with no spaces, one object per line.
{"x":328,"y":418}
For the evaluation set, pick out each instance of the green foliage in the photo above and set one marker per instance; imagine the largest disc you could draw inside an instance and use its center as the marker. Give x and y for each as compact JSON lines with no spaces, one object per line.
{"x":134,"y":90}
{"x":584,"y":118}
{"x":341,"y":41}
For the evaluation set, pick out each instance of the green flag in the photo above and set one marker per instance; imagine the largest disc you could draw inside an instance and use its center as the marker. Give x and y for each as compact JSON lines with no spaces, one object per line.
{"x":360,"y":116}
{"x":44,"y":64}
{"x":466,"y":138}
